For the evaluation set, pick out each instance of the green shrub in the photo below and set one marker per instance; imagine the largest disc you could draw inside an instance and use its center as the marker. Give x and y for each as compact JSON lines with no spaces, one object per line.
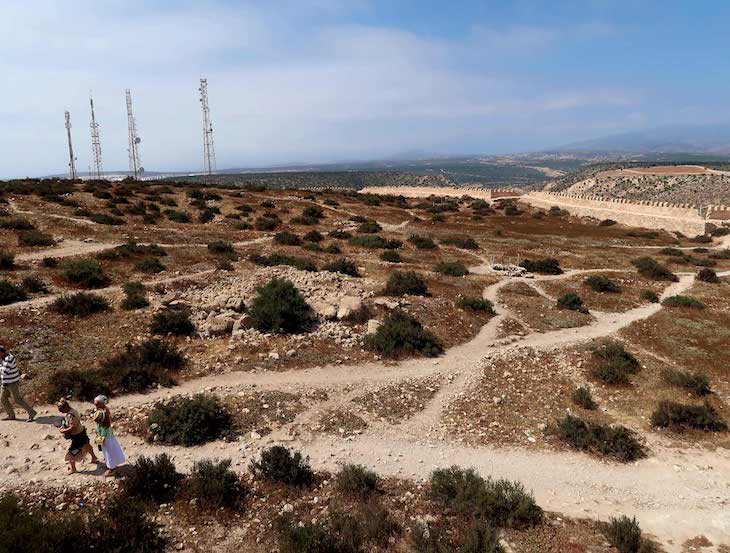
{"x":422,"y":242}
{"x":135,"y":296}
{"x":650,"y":296}
{"x":313,"y":211}
{"x":451,"y":268}
{"x":600,"y":283}
{"x":172,"y":320}
{"x":214,"y":485}
{"x":683,"y":301}
{"x":401,"y":283}
{"x":500,"y":502}
{"x":153,"y":479}
{"x":35,"y":238}
{"x":374,"y":242}
{"x":80,"y":304}
{"x":672,"y":252}
{"x":356,"y":480}
{"x":607,"y":223}
{"x":11,"y":293}
{"x":720,"y":231}
{"x":143,"y":365}
{"x":618,"y":442}
{"x":313,"y":236}
{"x":583,"y":398}
{"x":696,"y":382}
{"x":132,"y":249}
{"x":369,"y":227}
{"x":312,"y":247}
{"x":287,"y":238}
{"x":400,"y":334}
{"x":105,"y":219}
{"x":708,"y":275}
{"x":7,"y":261}
{"x":149,"y":265}
{"x":283,"y":259}
{"x":177,"y":216}
{"x":340,"y":234}
{"x":308,"y":537}
{"x":652,"y":269}
{"x":16,"y":223}
{"x":463,"y":243}
{"x":720,"y":254}
{"x":279,"y":307}
{"x":124,"y":526}
{"x":701,"y":239}
{"x":75,"y":384}
{"x":343,"y":266}
{"x":280,"y":464}
{"x":474,"y":303}
{"x":547,"y":266}
{"x":573,"y":302}
{"x":221,"y":247}
{"x":332,"y":249}
{"x":679,"y":417}
{"x":614,"y":363}
{"x":391,"y":256}
{"x":189,"y":421}
{"x":34,"y":285}
{"x":86,"y":273}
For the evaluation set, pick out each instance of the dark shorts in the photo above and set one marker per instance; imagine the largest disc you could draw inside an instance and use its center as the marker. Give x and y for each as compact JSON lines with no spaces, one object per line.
{"x":78,"y":441}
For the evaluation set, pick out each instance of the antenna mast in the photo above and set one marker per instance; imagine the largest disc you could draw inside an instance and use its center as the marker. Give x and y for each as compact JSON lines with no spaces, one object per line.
{"x":95,"y":144}
{"x":135,"y":164}
{"x":71,"y":159}
{"x":208,"y":145}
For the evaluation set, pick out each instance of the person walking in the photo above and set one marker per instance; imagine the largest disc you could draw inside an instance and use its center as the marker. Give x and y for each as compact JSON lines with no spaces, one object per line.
{"x":73,"y":430}
{"x":113,"y":454}
{"x":10,"y":386}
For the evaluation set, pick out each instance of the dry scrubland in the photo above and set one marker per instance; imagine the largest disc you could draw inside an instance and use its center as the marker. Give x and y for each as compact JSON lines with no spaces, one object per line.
{"x":369,"y":333}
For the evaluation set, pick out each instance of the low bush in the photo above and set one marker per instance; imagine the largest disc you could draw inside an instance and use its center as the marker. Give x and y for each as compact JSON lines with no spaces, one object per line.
{"x":177,"y":216}
{"x":356,"y":480}
{"x":648,"y":234}
{"x":16,"y":223}
{"x":701,"y":239}
{"x":106,"y":219}
{"x":149,"y":265}
{"x":189,"y":421}
{"x":280,"y":464}
{"x":463,"y":243}
{"x":614,"y":363}
{"x":332,"y":249}
{"x":696,"y":382}
{"x":313,"y":211}
{"x":221,"y":247}
{"x":720,"y":254}
{"x":369,"y":227}
{"x":35,"y":238}
{"x":34,"y":285}
{"x":582,"y":397}
{"x":266,"y":223}
{"x":400,"y":334}
{"x":573,"y":302}
{"x":401,"y":283}
{"x":86,"y":273}
{"x":313,"y":236}
{"x":720,"y":231}
{"x":153,"y":479}
{"x":451,"y":268}
{"x":607,"y":223}
{"x":708,"y":275}
{"x":683,"y":301}
{"x":474,"y":303}
{"x":499,"y":502}
{"x":375,"y":242}
{"x":650,"y":296}
{"x":75,"y":384}
{"x":600,"y":283}
{"x":680,"y":417}
{"x":172,"y":320}
{"x":547,"y":266}
{"x":135,"y":296}
{"x":11,"y":293}
{"x":287,"y":238}
{"x":214,"y":485}
{"x":652,"y":269}
{"x":143,"y":365}
{"x":7,"y":261}
{"x":391,"y":256}
{"x":422,"y":242}
{"x":279,"y":307}
{"x":343,"y":266}
{"x":80,"y":304}
{"x":617,"y":442}
{"x":340,"y":234}
{"x":283,"y":259}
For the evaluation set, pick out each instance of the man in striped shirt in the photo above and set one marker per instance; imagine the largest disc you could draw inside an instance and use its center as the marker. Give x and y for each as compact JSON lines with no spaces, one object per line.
{"x":10,"y":386}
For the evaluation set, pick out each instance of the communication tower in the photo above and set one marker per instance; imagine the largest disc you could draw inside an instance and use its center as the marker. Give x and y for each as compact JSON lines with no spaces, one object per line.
{"x":135,"y":162}
{"x":208,"y":145}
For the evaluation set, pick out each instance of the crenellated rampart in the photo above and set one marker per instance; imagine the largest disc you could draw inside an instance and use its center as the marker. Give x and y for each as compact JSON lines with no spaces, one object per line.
{"x":684,"y":218}
{"x":452,"y":192}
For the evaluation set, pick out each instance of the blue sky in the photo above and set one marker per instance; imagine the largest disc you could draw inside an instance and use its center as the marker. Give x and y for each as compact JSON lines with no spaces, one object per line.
{"x":326,"y":80}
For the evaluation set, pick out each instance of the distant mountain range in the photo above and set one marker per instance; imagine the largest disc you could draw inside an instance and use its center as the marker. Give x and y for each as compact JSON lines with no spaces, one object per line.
{"x":713,"y":140}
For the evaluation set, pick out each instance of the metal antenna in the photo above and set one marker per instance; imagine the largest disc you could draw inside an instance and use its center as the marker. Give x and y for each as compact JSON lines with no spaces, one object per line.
{"x":135,"y":163}
{"x":71,"y":158}
{"x":208,"y":145}
{"x":98,"y":172}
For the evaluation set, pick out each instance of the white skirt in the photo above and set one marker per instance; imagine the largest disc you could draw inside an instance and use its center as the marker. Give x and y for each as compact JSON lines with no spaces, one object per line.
{"x":113,"y":454}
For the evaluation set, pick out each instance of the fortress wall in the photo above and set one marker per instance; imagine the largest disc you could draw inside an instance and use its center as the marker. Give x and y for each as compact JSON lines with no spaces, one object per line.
{"x":426,"y":191}
{"x":683,"y":218}
{"x":718,"y":212}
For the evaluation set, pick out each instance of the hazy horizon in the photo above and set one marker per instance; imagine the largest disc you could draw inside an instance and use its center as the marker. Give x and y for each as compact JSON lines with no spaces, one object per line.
{"x":318,"y":81}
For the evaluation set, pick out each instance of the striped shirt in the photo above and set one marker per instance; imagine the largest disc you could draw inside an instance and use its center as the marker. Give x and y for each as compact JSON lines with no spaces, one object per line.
{"x":9,"y":373}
